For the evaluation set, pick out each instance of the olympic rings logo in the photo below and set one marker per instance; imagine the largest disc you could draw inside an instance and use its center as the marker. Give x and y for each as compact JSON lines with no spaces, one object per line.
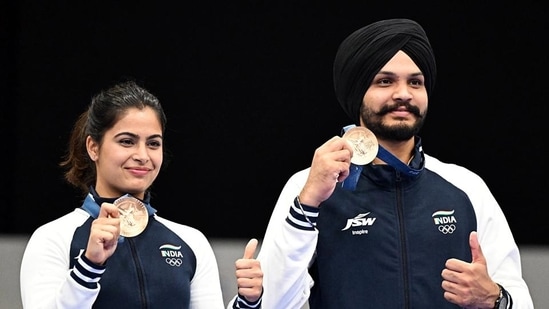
{"x":174,"y":262}
{"x":447,"y":228}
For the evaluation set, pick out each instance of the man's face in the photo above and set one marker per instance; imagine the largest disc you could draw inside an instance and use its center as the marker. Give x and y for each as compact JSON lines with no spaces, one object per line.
{"x":395,"y":105}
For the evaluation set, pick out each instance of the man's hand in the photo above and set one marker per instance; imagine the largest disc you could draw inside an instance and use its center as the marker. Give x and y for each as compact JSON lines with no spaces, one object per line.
{"x":330,"y":165}
{"x":468,"y":284}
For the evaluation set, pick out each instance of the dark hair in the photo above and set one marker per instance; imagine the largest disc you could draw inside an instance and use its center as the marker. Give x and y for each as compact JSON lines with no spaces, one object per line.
{"x":104,"y":111}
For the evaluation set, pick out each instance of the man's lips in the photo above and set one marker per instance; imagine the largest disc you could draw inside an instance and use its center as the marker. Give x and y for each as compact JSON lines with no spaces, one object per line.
{"x":401,"y":113}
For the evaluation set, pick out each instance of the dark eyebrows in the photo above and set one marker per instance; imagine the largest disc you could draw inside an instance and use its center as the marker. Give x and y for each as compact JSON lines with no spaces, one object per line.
{"x":126,"y":133}
{"x":156,"y":136}
{"x":136,"y":136}
{"x":393,"y":74}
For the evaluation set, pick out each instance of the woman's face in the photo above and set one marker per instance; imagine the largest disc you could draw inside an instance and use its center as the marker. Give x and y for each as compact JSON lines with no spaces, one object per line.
{"x":130,"y":156}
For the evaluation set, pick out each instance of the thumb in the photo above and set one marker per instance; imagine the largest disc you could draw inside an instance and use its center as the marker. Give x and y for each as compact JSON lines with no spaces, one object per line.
{"x":108,"y":210}
{"x":476,"y":251}
{"x":249,"y":251}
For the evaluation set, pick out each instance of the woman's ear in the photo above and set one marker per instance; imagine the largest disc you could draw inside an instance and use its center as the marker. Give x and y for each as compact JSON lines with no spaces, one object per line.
{"x":93,"y":148}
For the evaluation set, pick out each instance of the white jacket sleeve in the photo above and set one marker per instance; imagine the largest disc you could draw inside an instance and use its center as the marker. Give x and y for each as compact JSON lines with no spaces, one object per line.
{"x":286,"y":253}
{"x":495,"y":236}
{"x":500,"y":250}
{"x":206,"y":290}
{"x":45,"y":279}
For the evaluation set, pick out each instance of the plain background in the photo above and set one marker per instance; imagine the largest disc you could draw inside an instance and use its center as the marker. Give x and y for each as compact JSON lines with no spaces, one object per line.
{"x":247,"y":87}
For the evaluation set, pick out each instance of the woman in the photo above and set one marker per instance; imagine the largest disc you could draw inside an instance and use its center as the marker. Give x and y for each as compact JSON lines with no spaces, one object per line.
{"x":115,"y":251}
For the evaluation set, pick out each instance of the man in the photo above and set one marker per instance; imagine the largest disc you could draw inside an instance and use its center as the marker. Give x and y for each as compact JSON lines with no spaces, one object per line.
{"x":402,"y":231}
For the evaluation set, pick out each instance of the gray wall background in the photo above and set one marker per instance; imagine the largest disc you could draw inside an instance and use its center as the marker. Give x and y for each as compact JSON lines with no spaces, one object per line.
{"x":535,"y":262}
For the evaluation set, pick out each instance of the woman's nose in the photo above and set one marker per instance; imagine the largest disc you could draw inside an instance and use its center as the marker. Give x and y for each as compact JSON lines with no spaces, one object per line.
{"x":141,"y":155}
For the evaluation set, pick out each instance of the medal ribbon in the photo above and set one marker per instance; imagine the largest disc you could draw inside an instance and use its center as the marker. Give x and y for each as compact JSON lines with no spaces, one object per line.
{"x":92,"y":207}
{"x":93,"y":202}
{"x":354,"y":171}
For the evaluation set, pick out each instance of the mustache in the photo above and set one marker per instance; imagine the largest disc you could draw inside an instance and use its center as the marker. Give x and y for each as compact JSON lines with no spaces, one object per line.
{"x":391,"y":108}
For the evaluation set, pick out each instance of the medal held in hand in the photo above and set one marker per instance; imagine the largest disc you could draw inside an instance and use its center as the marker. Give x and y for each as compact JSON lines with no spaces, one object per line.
{"x":364,"y":144}
{"x":133,"y":216}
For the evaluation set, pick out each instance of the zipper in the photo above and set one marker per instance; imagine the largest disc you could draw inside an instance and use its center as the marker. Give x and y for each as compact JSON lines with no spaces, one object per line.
{"x":402,"y":234}
{"x":139,"y":272}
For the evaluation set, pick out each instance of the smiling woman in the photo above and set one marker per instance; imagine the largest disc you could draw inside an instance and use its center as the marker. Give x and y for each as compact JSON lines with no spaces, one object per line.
{"x":115,"y":155}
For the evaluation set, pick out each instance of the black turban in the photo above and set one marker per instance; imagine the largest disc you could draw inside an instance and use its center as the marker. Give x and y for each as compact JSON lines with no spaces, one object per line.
{"x":363,"y":53}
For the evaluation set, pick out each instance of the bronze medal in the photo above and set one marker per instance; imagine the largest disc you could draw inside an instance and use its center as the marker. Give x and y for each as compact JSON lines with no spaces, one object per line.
{"x":133,"y":216}
{"x":364,"y":144}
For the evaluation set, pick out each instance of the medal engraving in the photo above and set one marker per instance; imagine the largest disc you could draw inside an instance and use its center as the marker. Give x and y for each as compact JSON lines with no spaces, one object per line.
{"x":364,"y":144}
{"x":133,"y":216}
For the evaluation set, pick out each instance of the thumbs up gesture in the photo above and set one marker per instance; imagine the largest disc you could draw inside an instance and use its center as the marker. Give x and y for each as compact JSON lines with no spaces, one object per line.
{"x":468,"y":284}
{"x":249,"y":276}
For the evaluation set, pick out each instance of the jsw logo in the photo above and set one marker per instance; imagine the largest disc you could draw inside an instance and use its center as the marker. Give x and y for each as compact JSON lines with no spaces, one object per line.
{"x":359,"y":220}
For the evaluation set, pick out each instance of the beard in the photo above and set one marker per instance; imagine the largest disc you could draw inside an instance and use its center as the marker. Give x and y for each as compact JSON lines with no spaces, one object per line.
{"x":399,"y":132}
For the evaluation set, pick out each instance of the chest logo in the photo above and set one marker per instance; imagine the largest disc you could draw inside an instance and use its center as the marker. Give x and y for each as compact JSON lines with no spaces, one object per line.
{"x":171,"y":254}
{"x":359,"y":220}
{"x":445,"y":221}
